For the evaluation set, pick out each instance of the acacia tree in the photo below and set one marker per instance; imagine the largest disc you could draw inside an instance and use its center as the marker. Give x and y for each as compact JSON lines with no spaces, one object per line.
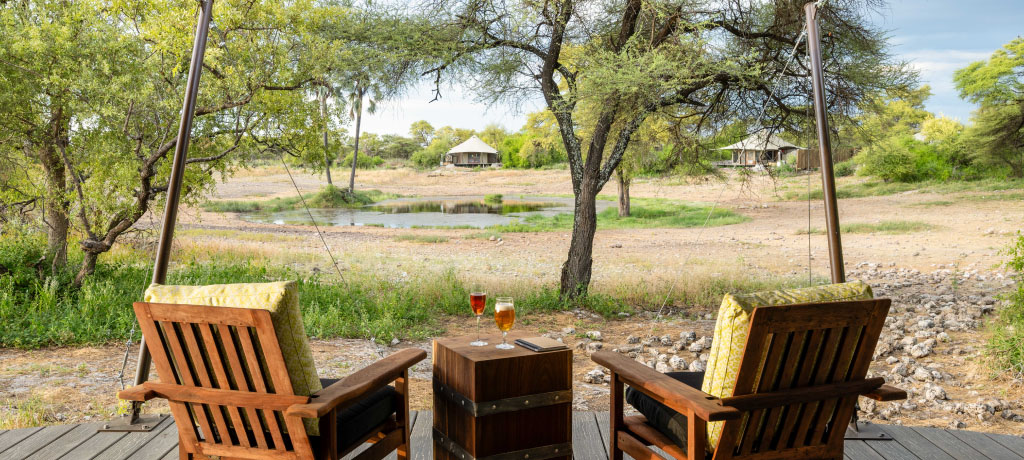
{"x":997,"y":85}
{"x":90,"y":95}
{"x":702,"y":60}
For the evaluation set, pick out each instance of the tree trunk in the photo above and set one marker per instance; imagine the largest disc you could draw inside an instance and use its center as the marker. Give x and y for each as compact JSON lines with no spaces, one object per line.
{"x":327,"y":154}
{"x":355,"y":154}
{"x":87,"y":268}
{"x":58,"y":223}
{"x":623,"y":193}
{"x":577,"y":267}
{"x":56,"y":206}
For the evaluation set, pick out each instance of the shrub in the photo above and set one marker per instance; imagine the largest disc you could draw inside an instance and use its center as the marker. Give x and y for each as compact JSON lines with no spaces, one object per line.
{"x":365,"y":161}
{"x":1006,"y":347}
{"x":494,"y":198}
{"x":426,"y":159}
{"x":889,"y":160}
{"x":844,"y":168}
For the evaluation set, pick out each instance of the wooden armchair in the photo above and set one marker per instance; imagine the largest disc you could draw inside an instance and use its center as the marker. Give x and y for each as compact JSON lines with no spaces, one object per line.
{"x":802,"y":369}
{"x":223,"y":372}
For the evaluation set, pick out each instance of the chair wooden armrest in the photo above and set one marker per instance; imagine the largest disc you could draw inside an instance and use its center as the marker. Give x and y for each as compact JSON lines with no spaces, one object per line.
{"x":665,"y":389}
{"x":886,"y":393}
{"x":138,"y":393}
{"x":357,"y":385}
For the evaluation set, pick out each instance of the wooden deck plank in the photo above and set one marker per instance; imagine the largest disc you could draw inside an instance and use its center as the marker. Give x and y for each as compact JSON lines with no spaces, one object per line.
{"x":949,"y":444}
{"x":37,"y":441}
{"x":70,"y":440}
{"x":422,"y":437}
{"x":892,"y":450}
{"x":859,"y":450}
{"x":587,"y":441}
{"x":1014,"y":443}
{"x":163,"y":442}
{"x":910,"y":438}
{"x":986,"y":445}
{"x":94,"y":445}
{"x":13,"y":437}
{"x":128,"y":445}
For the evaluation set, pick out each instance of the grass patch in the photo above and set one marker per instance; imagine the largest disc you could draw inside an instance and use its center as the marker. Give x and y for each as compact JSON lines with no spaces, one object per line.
{"x":328,"y":197}
{"x":493,"y":198}
{"x":422,"y":238}
{"x":933,"y":204}
{"x":645,"y":213}
{"x":26,"y":413}
{"x":877,"y":188}
{"x":1006,"y":345}
{"x":889,"y":227}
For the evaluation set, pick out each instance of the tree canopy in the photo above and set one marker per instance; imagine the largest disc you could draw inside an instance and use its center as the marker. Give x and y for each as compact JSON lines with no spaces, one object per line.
{"x":702,"y":61}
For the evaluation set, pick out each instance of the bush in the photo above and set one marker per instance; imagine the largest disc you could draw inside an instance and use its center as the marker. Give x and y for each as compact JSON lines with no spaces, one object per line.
{"x":1006,"y":347}
{"x":889,"y":160}
{"x":365,"y":161}
{"x":494,"y":198}
{"x":844,"y":168}
{"x":904,"y":159}
{"x":426,"y":159}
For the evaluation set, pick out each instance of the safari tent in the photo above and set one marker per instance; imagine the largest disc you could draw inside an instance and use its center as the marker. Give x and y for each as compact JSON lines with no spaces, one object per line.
{"x":472,"y":152}
{"x":760,"y":148}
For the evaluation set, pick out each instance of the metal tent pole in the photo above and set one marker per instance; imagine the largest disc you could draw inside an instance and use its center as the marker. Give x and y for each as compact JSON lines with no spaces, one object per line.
{"x":163,"y":252}
{"x":828,"y":181}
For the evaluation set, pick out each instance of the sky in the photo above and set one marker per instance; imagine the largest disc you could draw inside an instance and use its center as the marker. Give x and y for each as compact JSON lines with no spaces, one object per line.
{"x":935,"y":36}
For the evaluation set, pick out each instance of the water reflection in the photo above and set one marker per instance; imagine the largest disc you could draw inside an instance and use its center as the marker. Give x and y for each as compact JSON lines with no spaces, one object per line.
{"x":437,"y":211}
{"x":462,"y":207}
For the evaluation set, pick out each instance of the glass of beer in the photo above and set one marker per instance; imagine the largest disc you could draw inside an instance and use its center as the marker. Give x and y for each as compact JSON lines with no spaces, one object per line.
{"x":477,"y":301}
{"x":504,"y":317}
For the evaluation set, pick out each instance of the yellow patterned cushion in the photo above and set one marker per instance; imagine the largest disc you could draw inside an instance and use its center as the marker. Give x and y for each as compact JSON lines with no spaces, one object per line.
{"x":733,"y":324}
{"x":281,"y":299}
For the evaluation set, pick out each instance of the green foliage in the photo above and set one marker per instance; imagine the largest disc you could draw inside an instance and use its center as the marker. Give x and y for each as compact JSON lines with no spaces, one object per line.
{"x":428,"y":158}
{"x":365,"y":161}
{"x":903,"y":159}
{"x":328,"y":197}
{"x":996,"y":85}
{"x":1006,"y":346}
{"x":493,"y":198}
{"x":844,"y":168}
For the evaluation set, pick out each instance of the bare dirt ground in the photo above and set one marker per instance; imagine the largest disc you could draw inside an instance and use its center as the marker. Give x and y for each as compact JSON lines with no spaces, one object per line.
{"x":938,"y":274}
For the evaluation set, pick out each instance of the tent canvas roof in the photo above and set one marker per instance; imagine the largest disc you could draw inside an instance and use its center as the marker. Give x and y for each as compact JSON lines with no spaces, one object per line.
{"x":473,"y":145}
{"x":757,"y":141}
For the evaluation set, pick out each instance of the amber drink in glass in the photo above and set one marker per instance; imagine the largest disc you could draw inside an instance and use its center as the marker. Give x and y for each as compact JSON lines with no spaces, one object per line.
{"x":477,"y":301}
{"x":504,"y":317}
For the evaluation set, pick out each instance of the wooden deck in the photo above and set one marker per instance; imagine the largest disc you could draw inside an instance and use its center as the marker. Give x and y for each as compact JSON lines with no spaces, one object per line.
{"x":82,"y":442}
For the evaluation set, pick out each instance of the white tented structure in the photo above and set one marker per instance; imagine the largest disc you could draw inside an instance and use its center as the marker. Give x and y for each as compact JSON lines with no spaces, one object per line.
{"x":472,"y":152}
{"x":760,"y":148}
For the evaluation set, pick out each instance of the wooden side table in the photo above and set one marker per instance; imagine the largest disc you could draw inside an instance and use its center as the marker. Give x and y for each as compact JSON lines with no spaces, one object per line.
{"x":501,"y":404}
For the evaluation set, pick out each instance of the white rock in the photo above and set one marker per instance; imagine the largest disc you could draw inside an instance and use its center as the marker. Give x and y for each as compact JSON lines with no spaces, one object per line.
{"x":677,"y":363}
{"x":697,"y":366}
{"x":594,"y":376}
{"x":594,"y":335}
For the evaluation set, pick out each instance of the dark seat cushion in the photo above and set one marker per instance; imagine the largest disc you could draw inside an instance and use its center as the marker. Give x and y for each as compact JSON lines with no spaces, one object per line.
{"x":669,"y":422}
{"x":356,"y":421}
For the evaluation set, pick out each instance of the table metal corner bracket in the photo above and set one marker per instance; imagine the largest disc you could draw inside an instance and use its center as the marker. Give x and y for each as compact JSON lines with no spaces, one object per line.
{"x":499,"y":406}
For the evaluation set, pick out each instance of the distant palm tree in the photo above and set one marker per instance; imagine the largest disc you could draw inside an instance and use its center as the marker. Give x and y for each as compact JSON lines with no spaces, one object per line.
{"x":358,"y":90}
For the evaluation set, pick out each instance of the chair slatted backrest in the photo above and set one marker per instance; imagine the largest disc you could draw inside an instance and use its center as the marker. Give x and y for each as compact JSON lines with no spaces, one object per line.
{"x":802,"y":368}
{"x":224,"y":376}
